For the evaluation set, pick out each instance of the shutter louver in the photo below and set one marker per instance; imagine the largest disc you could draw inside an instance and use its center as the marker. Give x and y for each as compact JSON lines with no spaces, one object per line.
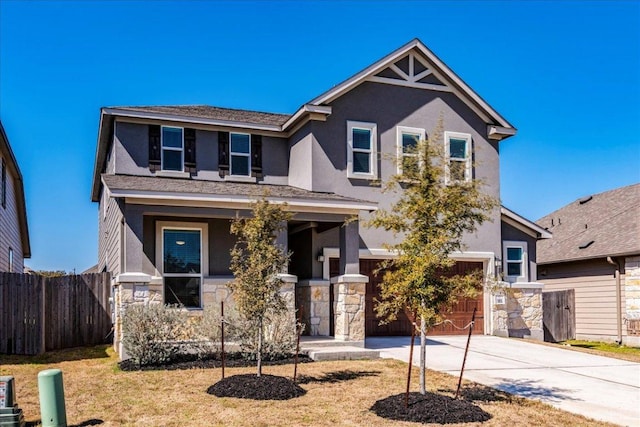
{"x":256,"y":156}
{"x":223,"y":153}
{"x":154,"y":147}
{"x":190,"y":150}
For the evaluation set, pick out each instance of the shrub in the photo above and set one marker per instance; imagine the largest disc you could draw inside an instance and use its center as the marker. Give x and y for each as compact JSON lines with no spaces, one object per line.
{"x":279,"y":336}
{"x":154,"y":333}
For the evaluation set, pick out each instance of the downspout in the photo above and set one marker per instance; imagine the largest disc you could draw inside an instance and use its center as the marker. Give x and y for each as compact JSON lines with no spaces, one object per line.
{"x":618,"y":297}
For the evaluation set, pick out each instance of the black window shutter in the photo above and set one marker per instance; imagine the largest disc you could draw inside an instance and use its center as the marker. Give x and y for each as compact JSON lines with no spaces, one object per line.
{"x":223,"y":153}
{"x":190,"y":150}
{"x":256,"y":155}
{"x":154,"y":147}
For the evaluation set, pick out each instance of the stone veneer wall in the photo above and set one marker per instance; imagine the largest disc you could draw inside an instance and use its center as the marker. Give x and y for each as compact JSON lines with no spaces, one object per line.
{"x":214,"y":291}
{"x":521,"y":314}
{"x":349,"y":300}
{"x":631,"y":314}
{"x":313,"y":296}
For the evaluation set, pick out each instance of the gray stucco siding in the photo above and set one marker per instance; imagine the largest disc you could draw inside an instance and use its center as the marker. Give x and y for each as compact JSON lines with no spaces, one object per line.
{"x":10,"y":235}
{"x":510,"y":233}
{"x":131,"y":147}
{"x":390,"y":106}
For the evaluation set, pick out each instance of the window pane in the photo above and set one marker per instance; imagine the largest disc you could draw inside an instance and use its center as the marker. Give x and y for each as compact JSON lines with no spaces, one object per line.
{"x":514,"y":269}
{"x":182,"y":290}
{"x":409,"y":142}
{"x":239,"y":143}
{"x":457,"y":148}
{"x":172,"y":137}
{"x":181,"y":251}
{"x":239,"y":165}
{"x":514,"y":254}
{"x":362,"y":139}
{"x":361,"y":162}
{"x":172,"y":160}
{"x":457,"y":171}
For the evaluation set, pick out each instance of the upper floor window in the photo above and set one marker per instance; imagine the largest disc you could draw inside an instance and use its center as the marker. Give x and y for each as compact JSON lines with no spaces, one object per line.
{"x":172,"y":148}
{"x":458,"y":154}
{"x":407,"y":142}
{"x":361,"y":150}
{"x":3,"y":189}
{"x":515,"y":261}
{"x":240,"y":154}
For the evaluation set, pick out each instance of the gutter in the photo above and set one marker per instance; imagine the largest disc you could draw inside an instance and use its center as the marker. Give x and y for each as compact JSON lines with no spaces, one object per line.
{"x":618,"y":267}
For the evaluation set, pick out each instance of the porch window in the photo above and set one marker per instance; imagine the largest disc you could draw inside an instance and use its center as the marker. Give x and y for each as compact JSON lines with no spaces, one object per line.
{"x":361,"y":150}
{"x":458,"y":153}
{"x":172,"y":148}
{"x":407,"y":142}
{"x":182,"y":266}
{"x":515,"y":256}
{"x":240,"y":154}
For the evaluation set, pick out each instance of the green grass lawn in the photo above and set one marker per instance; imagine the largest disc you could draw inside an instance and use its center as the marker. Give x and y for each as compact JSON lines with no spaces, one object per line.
{"x":607,"y":349}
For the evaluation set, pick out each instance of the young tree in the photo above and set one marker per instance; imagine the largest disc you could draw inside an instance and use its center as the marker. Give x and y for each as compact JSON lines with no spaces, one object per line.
{"x":435,"y":208}
{"x":256,"y":262}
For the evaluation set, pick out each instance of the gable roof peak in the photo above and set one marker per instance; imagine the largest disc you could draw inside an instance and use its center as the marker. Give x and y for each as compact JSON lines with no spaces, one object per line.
{"x":435,"y":68}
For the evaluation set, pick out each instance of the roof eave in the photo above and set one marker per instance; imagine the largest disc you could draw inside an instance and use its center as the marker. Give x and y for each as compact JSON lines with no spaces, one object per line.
{"x":190,"y":119}
{"x":590,"y":257}
{"x":20,"y":196}
{"x":538,"y":232}
{"x":102,"y":145}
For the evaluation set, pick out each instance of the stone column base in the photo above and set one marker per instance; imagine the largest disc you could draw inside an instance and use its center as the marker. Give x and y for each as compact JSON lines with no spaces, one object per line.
{"x":350,"y":290}
{"x":129,"y":289}
{"x":313,"y":296}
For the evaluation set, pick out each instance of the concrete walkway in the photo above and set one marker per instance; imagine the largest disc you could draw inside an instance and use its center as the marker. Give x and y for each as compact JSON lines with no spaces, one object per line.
{"x":598,"y":387}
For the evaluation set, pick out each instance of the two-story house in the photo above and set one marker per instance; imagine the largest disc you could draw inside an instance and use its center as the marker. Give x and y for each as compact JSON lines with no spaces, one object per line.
{"x":14,"y":231}
{"x":169,"y":178}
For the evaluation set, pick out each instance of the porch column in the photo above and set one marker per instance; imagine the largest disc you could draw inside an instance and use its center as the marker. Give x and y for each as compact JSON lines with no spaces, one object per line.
{"x":133,"y":248}
{"x":350,"y":288}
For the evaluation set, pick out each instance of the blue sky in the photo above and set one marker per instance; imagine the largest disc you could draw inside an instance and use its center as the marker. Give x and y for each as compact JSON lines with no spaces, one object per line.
{"x":566,"y":74}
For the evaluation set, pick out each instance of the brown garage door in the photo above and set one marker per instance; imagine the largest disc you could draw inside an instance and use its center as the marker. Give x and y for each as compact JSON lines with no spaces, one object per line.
{"x":460,"y":314}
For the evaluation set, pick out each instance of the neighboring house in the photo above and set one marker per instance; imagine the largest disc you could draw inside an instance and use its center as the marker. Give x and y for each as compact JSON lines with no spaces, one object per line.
{"x":169,"y":178}
{"x":596,"y":251}
{"x":14,"y":232}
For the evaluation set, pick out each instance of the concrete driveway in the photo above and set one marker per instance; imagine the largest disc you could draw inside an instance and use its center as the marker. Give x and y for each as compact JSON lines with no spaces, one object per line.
{"x":598,"y":387}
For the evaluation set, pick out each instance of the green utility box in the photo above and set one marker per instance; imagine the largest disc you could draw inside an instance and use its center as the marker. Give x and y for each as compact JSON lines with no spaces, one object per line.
{"x":10,"y":414}
{"x":52,"y":409}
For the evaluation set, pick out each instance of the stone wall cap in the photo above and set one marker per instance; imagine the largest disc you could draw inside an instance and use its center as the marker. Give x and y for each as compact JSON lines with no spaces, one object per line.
{"x":526,"y":285}
{"x":288,"y":278}
{"x":133,"y":278}
{"x":350,"y":278}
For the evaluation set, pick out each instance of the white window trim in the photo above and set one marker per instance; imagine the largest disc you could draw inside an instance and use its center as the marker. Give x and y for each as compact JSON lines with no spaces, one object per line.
{"x":524,"y":272}
{"x":239,"y":154}
{"x":10,"y":260}
{"x":404,"y":130}
{"x":204,"y":252}
{"x":373,"y":129}
{"x":467,"y":160}
{"x":162,"y":148}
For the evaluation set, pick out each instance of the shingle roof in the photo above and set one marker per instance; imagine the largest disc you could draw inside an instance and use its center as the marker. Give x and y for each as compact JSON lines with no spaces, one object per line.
{"x":216,"y":113}
{"x":605,"y":224}
{"x":191,"y":186}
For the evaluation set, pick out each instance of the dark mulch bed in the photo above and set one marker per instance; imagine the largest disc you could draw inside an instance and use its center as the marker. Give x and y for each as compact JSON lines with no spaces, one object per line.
{"x":188,"y":361}
{"x":429,"y":408}
{"x":251,"y":386}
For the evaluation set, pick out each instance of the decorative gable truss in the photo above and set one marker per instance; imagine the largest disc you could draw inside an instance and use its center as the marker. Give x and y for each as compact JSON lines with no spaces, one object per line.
{"x":411,"y":71}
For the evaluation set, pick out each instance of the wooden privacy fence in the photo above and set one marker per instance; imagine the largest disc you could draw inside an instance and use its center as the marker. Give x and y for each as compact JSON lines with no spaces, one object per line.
{"x":39,"y":314}
{"x":559,"y":315}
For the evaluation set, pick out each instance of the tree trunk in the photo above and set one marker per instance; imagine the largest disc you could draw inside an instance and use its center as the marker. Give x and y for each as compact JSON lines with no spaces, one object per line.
{"x":259,"y":347}
{"x":423,"y":356}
